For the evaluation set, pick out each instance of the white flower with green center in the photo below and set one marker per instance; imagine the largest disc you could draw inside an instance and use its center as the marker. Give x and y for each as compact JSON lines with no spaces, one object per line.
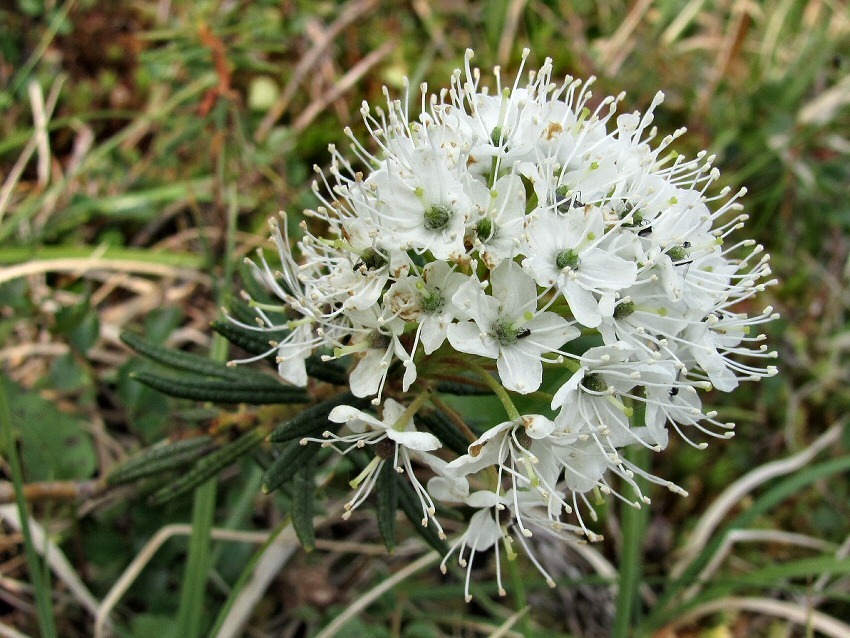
{"x":376,"y":345}
{"x":427,"y":302}
{"x":568,"y":250}
{"x":422,"y":204}
{"x":509,"y":327}
{"x":498,"y":230}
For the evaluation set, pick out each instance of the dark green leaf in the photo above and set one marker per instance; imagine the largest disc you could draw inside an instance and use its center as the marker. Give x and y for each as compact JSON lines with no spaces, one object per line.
{"x":191,"y":362}
{"x":412,"y":508}
{"x":386,"y":488}
{"x":223,"y":390}
{"x":463,"y":389}
{"x":314,"y":420}
{"x":249,"y":340}
{"x":303,"y":496}
{"x":209,"y":466}
{"x":162,"y":457}
{"x":257,"y":342}
{"x":284,"y":467}
{"x":328,"y":371}
{"x":442,"y":427}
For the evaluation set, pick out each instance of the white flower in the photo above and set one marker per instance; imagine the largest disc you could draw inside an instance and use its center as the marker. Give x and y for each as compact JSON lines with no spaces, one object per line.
{"x":376,"y":345}
{"x":498,"y":230}
{"x":422,"y":203}
{"x":426,"y":300}
{"x":567,"y":250}
{"x":496,"y":224}
{"x":508,"y":327}
{"x":395,"y":437}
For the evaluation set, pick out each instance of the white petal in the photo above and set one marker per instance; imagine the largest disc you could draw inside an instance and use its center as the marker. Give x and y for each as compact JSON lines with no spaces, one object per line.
{"x":466,"y":336}
{"x":607,"y":271}
{"x":366,"y":377}
{"x":515,"y":290}
{"x":518,"y":371}
{"x":423,"y":441}
{"x":583,"y":304}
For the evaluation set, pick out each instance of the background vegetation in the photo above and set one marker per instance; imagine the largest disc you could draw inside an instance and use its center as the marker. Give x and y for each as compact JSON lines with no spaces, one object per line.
{"x":143,"y":146}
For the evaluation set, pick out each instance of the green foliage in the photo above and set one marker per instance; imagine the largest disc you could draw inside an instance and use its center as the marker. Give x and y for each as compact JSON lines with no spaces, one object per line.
{"x":386,"y":489}
{"x":55,"y":445}
{"x":287,"y":464}
{"x":162,"y":457}
{"x":303,"y":499}
{"x":314,"y":420}
{"x":208,"y":467}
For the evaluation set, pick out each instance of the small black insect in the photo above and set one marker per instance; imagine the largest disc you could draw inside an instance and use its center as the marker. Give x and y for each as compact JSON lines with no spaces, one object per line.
{"x":564,"y":204}
{"x":522,"y":333}
{"x":674,"y":391}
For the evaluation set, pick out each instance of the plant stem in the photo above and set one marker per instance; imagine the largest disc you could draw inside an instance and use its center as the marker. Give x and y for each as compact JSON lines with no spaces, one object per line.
{"x":411,"y":410}
{"x":496,"y":387}
{"x":520,"y":598}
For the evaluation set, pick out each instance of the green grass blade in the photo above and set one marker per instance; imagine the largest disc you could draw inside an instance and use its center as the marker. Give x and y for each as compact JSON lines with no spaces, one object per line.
{"x":633,"y":523}
{"x":40,"y":583}
{"x":244,"y":577}
{"x":193,"y":588}
{"x":665,"y":609}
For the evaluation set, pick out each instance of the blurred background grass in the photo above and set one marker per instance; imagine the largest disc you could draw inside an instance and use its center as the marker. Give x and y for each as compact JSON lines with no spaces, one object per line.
{"x":131,"y":133}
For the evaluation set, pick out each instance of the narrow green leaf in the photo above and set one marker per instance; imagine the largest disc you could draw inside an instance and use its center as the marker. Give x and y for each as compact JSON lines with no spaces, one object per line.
{"x":328,"y":371}
{"x":190,"y":362}
{"x":303,"y":497}
{"x":162,"y":457}
{"x":245,"y":314}
{"x":773,"y":578}
{"x":409,"y":503}
{"x":18,"y":254}
{"x":256,"y":342}
{"x":314,"y":420}
{"x":209,"y":466}
{"x":223,"y":390}
{"x":284,"y":467}
{"x":386,"y":488}
{"x":470,"y":389}
{"x":190,"y":611}
{"x":633,"y":522}
{"x":249,"y":340}
{"x":442,"y":427}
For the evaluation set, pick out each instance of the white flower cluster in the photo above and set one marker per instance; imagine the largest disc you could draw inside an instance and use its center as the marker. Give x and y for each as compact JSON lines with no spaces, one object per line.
{"x":487,"y":235}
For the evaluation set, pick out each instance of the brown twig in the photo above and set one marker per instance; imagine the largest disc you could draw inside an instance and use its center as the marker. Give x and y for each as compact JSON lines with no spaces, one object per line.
{"x":222,"y":69}
{"x":347,"y":16}
{"x":58,"y":491}
{"x":346,"y":82}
